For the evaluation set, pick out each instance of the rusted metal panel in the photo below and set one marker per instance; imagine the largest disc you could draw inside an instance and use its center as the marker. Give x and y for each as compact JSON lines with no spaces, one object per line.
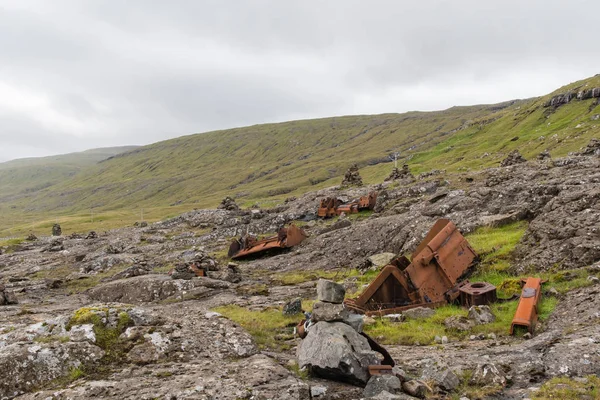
{"x":286,"y":237}
{"x":527,"y":311}
{"x":477,"y":294}
{"x":380,"y":370}
{"x":429,"y":280}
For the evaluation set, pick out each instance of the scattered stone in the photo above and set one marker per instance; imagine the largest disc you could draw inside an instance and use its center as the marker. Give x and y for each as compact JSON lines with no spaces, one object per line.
{"x":513,"y":158}
{"x":492,"y":336}
{"x":444,"y":339}
{"x":334,"y":350}
{"x":488,"y":374}
{"x":369,"y":320}
{"x":212,"y":314}
{"x":481,"y":315}
{"x":92,"y":235}
{"x":317,"y":391}
{"x":419,"y":313}
{"x":81,"y":333}
{"x":416,"y":388}
{"x":31,"y":237}
{"x":553,"y":292}
{"x":115,"y":248}
{"x":394,"y":317}
{"x":527,"y":336}
{"x":293,"y":307}
{"x":352,"y":177}
{"x":381,"y":259}
{"x":329,"y":312}
{"x":330,"y":291}
{"x":594,"y":279}
{"x":446,"y":380}
{"x":56,"y":230}
{"x":380,"y":383}
{"x":229,"y":204}
{"x":437,"y":339}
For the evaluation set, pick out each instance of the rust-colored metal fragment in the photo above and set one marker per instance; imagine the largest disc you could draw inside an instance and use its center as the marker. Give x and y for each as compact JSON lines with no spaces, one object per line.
{"x":331,"y":206}
{"x":247,"y":245}
{"x":527,"y":311}
{"x":429,"y":280}
{"x":477,"y":294}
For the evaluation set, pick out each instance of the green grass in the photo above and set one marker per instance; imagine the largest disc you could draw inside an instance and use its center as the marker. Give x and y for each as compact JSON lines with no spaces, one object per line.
{"x":269,"y":328}
{"x":495,"y":245}
{"x":565,"y":388}
{"x":266,"y":163}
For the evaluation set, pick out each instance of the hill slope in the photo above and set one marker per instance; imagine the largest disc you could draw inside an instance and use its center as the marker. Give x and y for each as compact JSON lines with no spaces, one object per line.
{"x":272,"y":161}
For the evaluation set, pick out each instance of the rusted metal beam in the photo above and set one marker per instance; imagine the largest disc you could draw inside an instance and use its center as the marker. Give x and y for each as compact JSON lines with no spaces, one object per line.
{"x":526,"y":315}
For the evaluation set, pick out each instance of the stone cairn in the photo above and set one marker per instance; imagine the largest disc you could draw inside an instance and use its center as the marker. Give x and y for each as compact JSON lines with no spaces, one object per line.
{"x":513,"y":158}
{"x":399,"y":174}
{"x":333,"y":347}
{"x":56,"y":230}
{"x":228,"y":203}
{"x":352,"y":177}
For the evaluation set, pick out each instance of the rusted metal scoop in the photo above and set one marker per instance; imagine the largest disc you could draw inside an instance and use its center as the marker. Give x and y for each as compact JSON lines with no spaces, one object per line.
{"x":248,"y":245}
{"x":526,"y":315}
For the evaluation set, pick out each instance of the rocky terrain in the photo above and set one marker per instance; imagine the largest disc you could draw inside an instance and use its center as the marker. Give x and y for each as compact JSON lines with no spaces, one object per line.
{"x":97,"y":315}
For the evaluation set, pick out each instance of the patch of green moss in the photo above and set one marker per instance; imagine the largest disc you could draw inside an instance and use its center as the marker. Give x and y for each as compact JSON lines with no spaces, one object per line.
{"x":565,"y":388}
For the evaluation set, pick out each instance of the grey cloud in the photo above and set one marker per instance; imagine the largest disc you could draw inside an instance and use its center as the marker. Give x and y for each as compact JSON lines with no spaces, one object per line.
{"x":84,"y":74}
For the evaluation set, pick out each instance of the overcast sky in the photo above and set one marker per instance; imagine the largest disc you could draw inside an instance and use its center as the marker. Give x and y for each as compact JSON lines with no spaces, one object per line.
{"x":79,"y":74}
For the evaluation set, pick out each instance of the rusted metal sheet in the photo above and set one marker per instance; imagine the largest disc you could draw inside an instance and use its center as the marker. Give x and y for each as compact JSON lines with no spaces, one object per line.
{"x":429,"y":280}
{"x":527,"y":311}
{"x":477,"y":294}
{"x":380,"y":370}
{"x":331,"y":206}
{"x":248,"y":245}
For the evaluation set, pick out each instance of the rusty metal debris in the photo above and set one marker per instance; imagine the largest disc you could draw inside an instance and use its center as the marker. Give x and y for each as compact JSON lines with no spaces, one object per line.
{"x":526,"y":315}
{"x":430,"y":280}
{"x":331,"y":206}
{"x":247,"y":244}
{"x":477,"y":294}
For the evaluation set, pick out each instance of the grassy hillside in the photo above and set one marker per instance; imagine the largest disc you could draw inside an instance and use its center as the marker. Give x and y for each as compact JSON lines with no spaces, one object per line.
{"x":266,"y":163}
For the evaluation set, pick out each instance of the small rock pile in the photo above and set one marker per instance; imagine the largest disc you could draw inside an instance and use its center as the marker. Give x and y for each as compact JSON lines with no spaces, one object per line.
{"x":513,"y":158}
{"x":56,"y":230}
{"x":229,"y":204}
{"x":6,"y":297}
{"x":333,"y":347}
{"x":352,"y":177}
{"x":399,"y":174}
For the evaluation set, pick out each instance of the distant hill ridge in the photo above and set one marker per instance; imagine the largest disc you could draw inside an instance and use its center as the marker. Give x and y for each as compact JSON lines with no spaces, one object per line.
{"x":271,"y":161}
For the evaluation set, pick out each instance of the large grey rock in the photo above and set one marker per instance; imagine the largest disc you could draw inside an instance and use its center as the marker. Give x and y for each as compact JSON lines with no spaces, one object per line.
{"x":419,"y":312}
{"x":329,"y":312}
{"x":385,"y":395}
{"x":481,"y":315}
{"x":488,"y":374}
{"x":356,"y":321}
{"x":330,"y":291}
{"x":380,"y":383}
{"x":26,"y":366}
{"x":334,"y":350}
